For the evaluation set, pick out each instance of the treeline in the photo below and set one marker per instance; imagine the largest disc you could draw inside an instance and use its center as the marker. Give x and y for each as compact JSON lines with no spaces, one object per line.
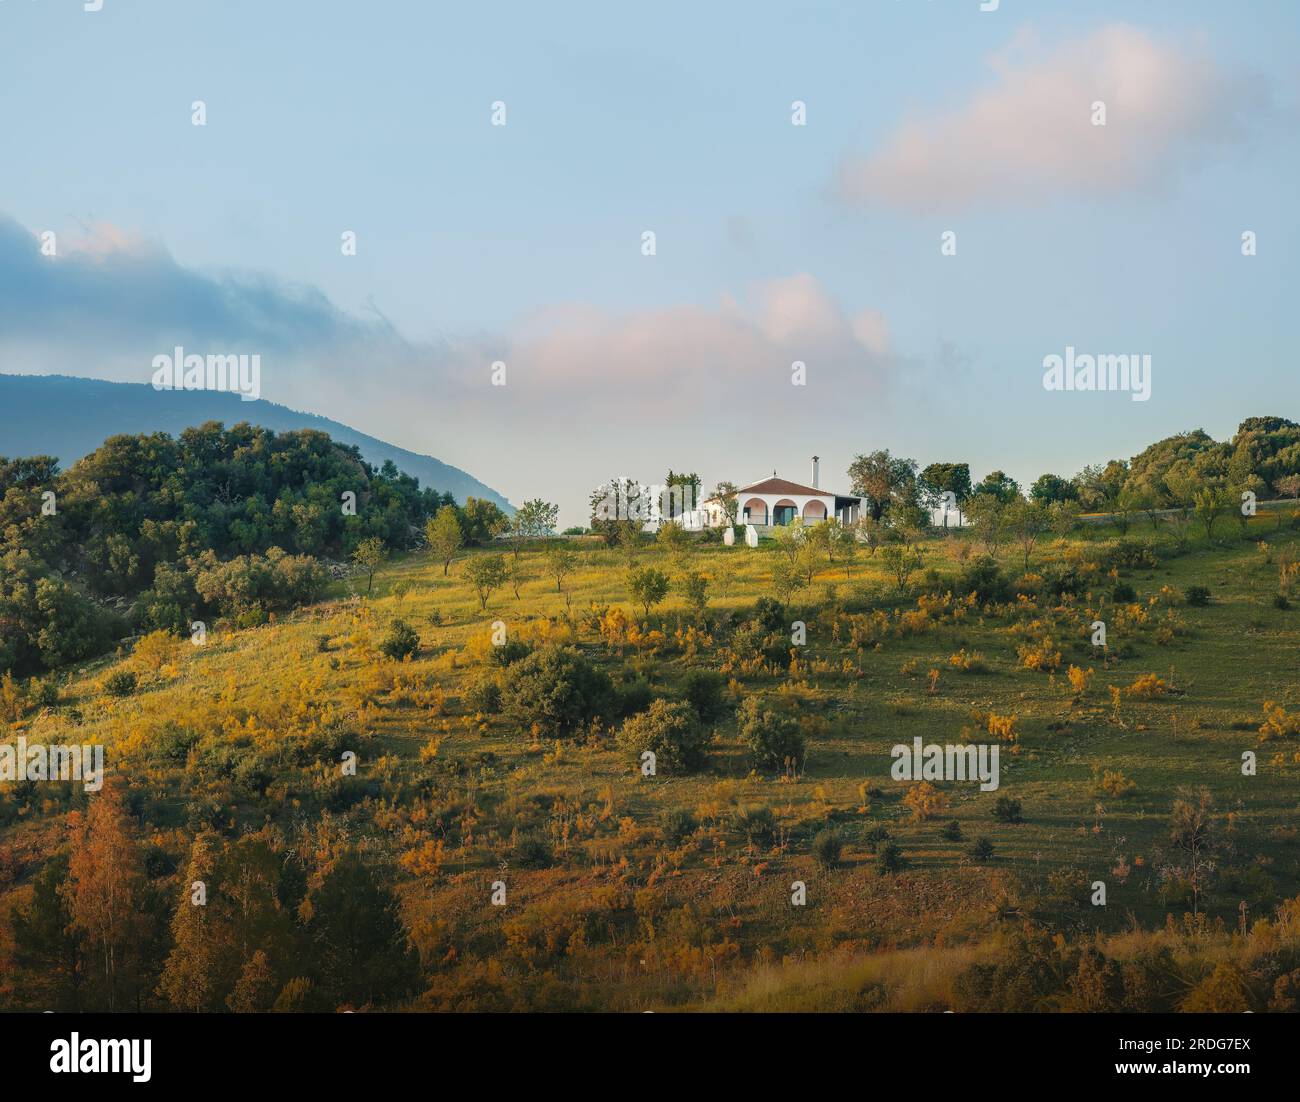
{"x":149,"y":531}
{"x":1182,"y":472}
{"x":255,"y":923}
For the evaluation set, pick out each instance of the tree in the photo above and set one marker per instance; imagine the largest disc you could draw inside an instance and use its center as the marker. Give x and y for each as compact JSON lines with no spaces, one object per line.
{"x":1027,"y":521}
{"x":1211,"y":502}
{"x":104,"y":891}
{"x":560,"y":562}
{"x":695,"y":590}
{"x":1062,"y":516}
{"x":883,"y":480}
{"x":360,"y":942}
{"x":726,"y":495}
{"x":998,"y":485}
{"x":532,"y":520}
{"x":903,"y":556}
{"x":486,"y":573}
{"x":1050,"y":488}
{"x":1290,"y":484}
{"x":191,"y":978}
{"x":987,"y":515}
{"x":482,"y":521}
{"x":940,"y":479}
{"x":49,"y":950}
{"x":370,"y":554}
{"x":1190,"y":833}
{"x":444,"y":536}
{"x":647,"y":586}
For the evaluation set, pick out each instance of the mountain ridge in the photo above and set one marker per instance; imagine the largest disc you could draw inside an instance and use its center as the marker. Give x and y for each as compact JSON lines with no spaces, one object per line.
{"x":45,"y":415}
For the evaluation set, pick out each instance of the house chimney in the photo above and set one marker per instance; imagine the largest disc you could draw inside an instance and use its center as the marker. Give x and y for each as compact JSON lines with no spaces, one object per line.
{"x":816,"y":459}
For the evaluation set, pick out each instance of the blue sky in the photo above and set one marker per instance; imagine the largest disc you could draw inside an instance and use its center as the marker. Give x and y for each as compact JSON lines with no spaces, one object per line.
{"x":774,"y":242}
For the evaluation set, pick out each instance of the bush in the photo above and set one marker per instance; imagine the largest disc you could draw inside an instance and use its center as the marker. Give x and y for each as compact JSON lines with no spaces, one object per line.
{"x":890,"y":859}
{"x":671,"y":731}
{"x":768,"y":614}
{"x":981,"y":849}
{"x":758,"y":825}
{"x":635,"y":696}
{"x":1007,"y":810}
{"x":484,"y":695}
{"x":1123,"y":593}
{"x":1197,"y":595}
{"x":703,"y":689}
{"x":531,"y":851}
{"x":173,"y":743}
{"x":121,"y":683}
{"x":402,"y":641}
{"x":1281,"y":602}
{"x":984,"y":578}
{"x":678,"y":825}
{"x":951,"y":832}
{"x":556,"y":691}
{"x":509,"y":652}
{"x":774,"y":741}
{"x":827,"y":847}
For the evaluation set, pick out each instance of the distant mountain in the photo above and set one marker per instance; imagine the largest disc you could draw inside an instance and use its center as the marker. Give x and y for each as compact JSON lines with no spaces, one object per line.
{"x":69,"y":417}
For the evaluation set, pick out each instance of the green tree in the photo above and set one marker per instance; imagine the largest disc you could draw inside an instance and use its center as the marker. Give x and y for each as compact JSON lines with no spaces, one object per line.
{"x":370,"y":554}
{"x":647,"y":586}
{"x":487,"y":574}
{"x":444,"y":536}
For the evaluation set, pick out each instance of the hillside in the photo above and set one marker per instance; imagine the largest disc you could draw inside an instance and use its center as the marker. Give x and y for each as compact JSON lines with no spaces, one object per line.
{"x":622,"y":891}
{"x":70,"y":417}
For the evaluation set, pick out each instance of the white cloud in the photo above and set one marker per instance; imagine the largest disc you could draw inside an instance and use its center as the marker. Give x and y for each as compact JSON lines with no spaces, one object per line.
{"x":1029,"y":136}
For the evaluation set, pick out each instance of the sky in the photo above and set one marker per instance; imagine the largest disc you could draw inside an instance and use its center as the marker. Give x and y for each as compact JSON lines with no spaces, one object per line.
{"x":774,"y":243}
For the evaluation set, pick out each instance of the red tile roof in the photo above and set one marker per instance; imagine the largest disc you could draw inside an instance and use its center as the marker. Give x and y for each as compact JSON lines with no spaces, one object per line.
{"x":784,"y":486}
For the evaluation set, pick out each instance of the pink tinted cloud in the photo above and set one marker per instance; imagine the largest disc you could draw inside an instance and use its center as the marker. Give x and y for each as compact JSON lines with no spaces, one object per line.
{"x":1030,"y":135}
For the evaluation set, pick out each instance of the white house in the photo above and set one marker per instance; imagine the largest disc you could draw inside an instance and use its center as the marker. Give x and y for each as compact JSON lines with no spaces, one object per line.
{"x":775,"y":501}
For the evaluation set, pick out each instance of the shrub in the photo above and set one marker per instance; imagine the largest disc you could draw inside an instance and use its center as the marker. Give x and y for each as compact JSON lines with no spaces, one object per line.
{"x":120,"y":683}
{"x":981,"y":849}
{"x":768,"y":614}
{"x":827,"y":847}
{"x":531,"y":851}
{"x":671,"y":731}
{"x":509,"y":652}
{"x":556,"y":691}
{"x":1123,"y":594}
{"x":890,"y":859}
{"x":1007,"y":810}
{"x":758,"y":825}
{"x":678,"y":825}
{"x":1197,"y":596}
{"x":1148,"y":687}
{"x":402,"y":641}
{"x":484,"y":695}
{"x":703,"y":690}
{"x":983,"y":577}
{"x":951,"y":832}
{"x":774,"y":741}
{"x":635,"y":696}
{"x":173,"y":743}
{"x":1281,"y":602}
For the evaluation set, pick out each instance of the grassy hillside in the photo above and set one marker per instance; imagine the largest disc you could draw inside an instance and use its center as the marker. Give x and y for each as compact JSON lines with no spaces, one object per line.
{"x":614,"y":900}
